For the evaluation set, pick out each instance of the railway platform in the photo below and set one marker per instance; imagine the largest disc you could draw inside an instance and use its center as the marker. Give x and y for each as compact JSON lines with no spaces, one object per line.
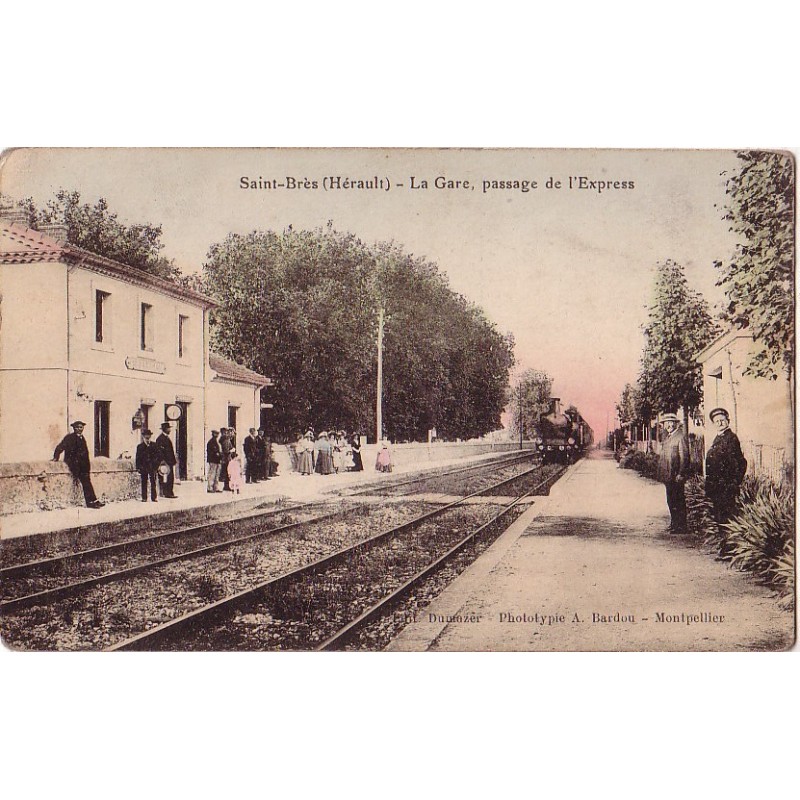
{"x":593,"y":568}
{"x":194,"y":504}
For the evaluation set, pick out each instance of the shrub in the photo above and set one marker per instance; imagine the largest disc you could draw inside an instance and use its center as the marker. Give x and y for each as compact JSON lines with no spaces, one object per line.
{"x":760,"y":538}
{"x":644,"y":463}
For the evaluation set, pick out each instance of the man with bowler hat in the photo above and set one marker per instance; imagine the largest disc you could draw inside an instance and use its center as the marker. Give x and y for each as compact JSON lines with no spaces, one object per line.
{"x":673,"y":470}
{"x":148,"y":457}
{"x":166,"y":478}
{"x":76,"y":457}
{"x":725,"y":467}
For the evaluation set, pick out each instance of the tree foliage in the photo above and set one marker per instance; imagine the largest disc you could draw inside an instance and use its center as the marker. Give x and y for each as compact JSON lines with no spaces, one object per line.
{"x":528,"y":400}
{"x":679,"y":326}
{"x":759,"y":278}
{"x":302,"y":307}
{"x":96,"y":228}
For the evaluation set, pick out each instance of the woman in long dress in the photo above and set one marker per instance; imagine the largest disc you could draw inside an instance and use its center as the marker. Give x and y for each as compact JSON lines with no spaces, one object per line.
{"x":305,"y":447}
{"x":383,"y":463}
{"x":324,"y":455}
{"x":355,"y":452}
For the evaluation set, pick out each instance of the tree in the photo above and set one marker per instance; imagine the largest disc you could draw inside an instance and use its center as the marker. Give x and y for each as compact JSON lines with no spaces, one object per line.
{"x":96,"y":228}
{"x":529,"y":399}
{"x":759,"y":279}
{"x":302,"y":307}
{"x":626,"y":410}
{"x":679,"y":326}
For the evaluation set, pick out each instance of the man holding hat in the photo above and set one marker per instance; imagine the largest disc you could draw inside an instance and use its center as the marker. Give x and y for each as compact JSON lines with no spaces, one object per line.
{"x":673,"y":470}
{"x":166,"y":477}
{"x":148,"y":457}
{"x":725,"y":467}
{"x":76,"y":457}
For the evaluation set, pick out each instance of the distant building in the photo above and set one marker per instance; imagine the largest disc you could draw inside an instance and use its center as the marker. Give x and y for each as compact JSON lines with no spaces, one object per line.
{"x":761,"y":410}
{"x":85,"y":337}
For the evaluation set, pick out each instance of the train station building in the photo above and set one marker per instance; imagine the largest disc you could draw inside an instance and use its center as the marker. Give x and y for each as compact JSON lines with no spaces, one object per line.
{"x":760,"y":409}
{"x":87,"y":338}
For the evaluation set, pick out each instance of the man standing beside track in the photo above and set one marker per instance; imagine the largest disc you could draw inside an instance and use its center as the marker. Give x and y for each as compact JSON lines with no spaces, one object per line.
{"x":673,"y":470}
{"x":76,"y":457}
{"x":166,"y":477}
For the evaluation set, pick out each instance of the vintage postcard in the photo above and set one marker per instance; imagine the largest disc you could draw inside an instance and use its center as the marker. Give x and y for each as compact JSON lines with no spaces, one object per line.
{"x":397,"y":400}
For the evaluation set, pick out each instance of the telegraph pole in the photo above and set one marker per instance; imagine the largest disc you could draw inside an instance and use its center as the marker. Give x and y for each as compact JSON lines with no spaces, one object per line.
{"x":379,"y":398}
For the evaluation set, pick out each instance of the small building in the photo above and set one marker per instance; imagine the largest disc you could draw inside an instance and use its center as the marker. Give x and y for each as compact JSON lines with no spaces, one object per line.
{"x":85,"y":337}
{"x":233,"y":398}
{"x":761,"y":410}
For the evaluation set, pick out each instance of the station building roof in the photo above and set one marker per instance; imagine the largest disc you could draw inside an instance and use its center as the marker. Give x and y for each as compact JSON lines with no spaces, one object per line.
{"x":20,"y":244}
{"x":231,"y":371}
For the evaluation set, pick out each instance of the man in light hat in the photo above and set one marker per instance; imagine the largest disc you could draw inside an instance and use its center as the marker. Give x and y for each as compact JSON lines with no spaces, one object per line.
{"x":166,"y":477}
{"x":725,"y":467}
{"x":673,"y":470}
{"x":76,"y":457}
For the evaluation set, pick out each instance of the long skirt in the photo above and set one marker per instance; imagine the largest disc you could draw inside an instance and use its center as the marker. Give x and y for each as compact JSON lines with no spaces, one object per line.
{"x":324,"y":463}
{"x":305,"y":465}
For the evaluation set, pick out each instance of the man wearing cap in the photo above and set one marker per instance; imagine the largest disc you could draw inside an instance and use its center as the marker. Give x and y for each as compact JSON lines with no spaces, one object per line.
{"x":226,"y":445}
{"x":166,"y":479}
{"x":251,"y":453}
{"x":148,"y":458}
{"x":213,"y":462}
{"x":76,"y":457}
{"x":725,"y":467}
{"x":673,"y":470}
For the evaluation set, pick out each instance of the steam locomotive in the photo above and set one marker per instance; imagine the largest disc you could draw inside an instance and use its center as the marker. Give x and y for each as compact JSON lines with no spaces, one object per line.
{"x":563,"y":436}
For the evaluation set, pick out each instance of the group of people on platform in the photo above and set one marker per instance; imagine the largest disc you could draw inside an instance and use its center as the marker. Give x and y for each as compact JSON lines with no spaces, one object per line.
{"x":223,"y":462}
{"x":725,"y":469}
{"x":327,"y":454}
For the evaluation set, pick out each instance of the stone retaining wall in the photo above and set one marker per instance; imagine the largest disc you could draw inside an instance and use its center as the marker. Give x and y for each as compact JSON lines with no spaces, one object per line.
{"x":45,"y":485}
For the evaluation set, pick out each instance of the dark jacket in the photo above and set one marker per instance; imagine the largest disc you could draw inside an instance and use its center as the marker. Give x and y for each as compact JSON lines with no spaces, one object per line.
{"x":673,"y":463}
{"x":213,"y":451}
{"x":164,"y":444}
{"x":148,"y":457}
{"x":251,"y":449}
{"x":725,"y":465}
{"x":76,"y":453}
{"x":226,"y":444}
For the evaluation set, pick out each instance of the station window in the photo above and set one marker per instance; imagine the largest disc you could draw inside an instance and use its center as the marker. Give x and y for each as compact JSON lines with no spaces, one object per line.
{"x":102,"y":426}
{"x":146,"y":326}
{"x":183,"y":335}
{"x":102,"y":305}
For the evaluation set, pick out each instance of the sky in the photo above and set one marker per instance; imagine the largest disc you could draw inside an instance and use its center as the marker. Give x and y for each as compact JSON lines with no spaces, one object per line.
{"x":569,"y":271}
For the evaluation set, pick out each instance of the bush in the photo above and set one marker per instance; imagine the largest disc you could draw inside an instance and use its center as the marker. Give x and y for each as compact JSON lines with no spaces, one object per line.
{"x":644,"y":463}
{"x":759,"y":538}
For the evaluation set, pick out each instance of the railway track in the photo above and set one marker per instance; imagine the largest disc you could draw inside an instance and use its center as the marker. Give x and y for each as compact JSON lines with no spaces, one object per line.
{"x":335,"y":585}
{"x":91,"y":567}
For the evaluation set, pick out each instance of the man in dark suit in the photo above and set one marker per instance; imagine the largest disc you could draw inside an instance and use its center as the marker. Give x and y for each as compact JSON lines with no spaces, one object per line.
{"x":263,"y":455}
{"x":226,"y":445}
{"x":674,"y":471}
{"x":725,"y":467}
{"x":166,"y":456}
{"x":76,"y":457}
{"x":148,"y":457}
{"x":214,"y":462}
{"x":251,"y":453}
